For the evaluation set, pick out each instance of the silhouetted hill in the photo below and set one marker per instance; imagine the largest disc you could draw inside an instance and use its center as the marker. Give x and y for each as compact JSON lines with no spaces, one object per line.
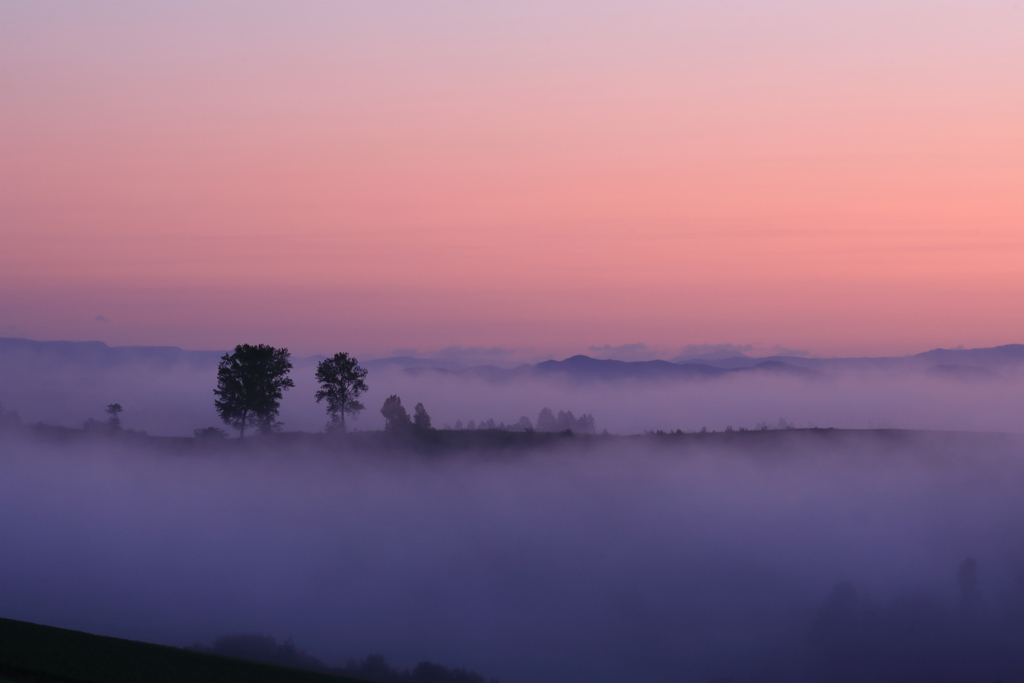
{"x":585,"y":367}
{"x":961,"y":362}
{"x":1008,"y":354}
{"x":373,"y":668}
{"x":26,"y":353}
{"x":951,"y":363}
{"x":44,"y":654}
{"x":98,"y":354}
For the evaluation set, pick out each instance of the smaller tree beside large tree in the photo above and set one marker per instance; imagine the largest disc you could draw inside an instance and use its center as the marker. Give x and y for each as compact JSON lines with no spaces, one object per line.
{"x":114,"y":410}
{"x":396,"y":418}
{"x":341,"y":383}
{"x":250,"y":383}
{"x":420,"y":417}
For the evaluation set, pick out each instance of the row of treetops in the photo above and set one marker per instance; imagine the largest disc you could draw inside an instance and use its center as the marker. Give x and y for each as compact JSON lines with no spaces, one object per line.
{"x":252,"y":379}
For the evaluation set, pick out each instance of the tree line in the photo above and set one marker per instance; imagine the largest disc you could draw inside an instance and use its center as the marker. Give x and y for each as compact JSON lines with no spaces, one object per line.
{"x":547,"y":421}
{"x":252,"y":379}
{"x":266,"y":649}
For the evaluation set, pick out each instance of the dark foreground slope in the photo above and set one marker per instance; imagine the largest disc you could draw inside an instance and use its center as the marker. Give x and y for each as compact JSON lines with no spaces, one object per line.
{"x":43,"y":654}
{"x":789,"y":555}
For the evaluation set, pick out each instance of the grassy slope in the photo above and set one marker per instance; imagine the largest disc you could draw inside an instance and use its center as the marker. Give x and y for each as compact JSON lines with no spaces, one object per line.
{"x":31,"y":652}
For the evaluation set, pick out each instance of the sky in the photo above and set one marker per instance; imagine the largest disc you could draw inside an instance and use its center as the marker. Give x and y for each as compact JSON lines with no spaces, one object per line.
{"x":842,"y":178}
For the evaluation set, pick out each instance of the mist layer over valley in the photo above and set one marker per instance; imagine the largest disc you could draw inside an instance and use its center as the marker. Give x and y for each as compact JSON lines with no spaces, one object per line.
{"x":752,"y":534}
{"x":168,"y":391}
{"x":787,"y":555}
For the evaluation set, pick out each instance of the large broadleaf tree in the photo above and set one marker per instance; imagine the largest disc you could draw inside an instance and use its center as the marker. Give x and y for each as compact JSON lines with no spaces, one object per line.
{"x":250,"y":383}
{"x":341,"y":381}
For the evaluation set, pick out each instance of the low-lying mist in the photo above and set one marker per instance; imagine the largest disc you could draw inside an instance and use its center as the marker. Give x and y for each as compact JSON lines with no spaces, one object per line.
{"x":844,"y":400}
{"x":177,"y":398}
{"x":598,"y":559}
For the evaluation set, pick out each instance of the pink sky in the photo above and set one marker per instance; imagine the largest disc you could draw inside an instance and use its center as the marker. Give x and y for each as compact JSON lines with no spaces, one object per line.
{"x":846,"y":178}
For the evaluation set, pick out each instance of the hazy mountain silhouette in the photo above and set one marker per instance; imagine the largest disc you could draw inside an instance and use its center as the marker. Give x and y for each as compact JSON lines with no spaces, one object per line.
{"x":586,"y":368}
{"x":98,"y":354}
{"x":957,"y":363}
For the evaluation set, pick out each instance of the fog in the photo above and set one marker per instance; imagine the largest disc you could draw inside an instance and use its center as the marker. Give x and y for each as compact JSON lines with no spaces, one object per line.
{"x":170,"y":392}
{"x":843,"y":400}
{"x":600,"y":559}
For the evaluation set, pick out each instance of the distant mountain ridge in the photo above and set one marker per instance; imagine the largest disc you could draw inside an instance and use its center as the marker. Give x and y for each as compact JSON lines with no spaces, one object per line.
{"x":98,"y":353}
{"x":584,"y":366}
{"x":957,"y":363}
{"x":951,"y":363}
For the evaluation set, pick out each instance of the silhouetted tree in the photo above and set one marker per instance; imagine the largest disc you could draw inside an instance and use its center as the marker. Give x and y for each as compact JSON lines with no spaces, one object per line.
{"x":565,"y":420}
{"x":250,"y":383}
{"x":9,"y":418}
{"x":395,"y":416}
{"x":377,"y":668}
{"x":546,"y":421}
{"x":915,"y":637}
{"x":341,"y":382}
{"x":210,"y":433}
{"x":420,"y":418}
{"x":113,"y":410}
{"x":585,"y":424}
{"x":260,"y":648}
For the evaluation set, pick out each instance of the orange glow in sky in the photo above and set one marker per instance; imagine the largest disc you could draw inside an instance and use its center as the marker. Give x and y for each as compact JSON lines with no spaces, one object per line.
{"x":845,"y":178}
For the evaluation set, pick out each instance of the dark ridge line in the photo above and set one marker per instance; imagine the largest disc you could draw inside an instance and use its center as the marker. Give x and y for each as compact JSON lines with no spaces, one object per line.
{"x":34,"y":653}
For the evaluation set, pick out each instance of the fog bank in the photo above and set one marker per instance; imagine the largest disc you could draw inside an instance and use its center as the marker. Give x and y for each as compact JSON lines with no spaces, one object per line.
{"x":602,"y":560}
{"x":168,"y":391}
